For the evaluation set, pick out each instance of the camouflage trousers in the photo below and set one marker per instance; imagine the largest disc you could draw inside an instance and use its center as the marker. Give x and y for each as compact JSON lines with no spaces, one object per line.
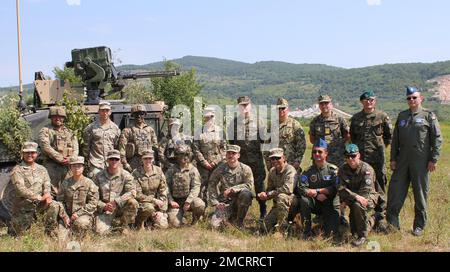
{"x":360,"y":220}
{"x":380,"y":187}
{"x":79,"y":227}
{"x":23,"y":217}
{"x":235,"y":211}
{"x":150,"y":213}
{"x":277,"y":216}
{"x":328,"y":211}
{"x":121,"y":218}
{"x":57,"y":174}
{"x":204,"y":175}
{"x":176,"y":215}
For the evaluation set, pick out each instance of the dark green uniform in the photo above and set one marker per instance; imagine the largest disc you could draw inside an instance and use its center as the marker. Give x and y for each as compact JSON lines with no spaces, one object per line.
{"x":372,"y":133}
{"x":360,"y":181}
{"x":318,"y":178}
{"x":416,"y":141}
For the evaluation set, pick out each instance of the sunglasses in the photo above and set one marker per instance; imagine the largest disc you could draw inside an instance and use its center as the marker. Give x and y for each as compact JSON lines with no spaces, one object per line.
{"x":351,"y":156}
{"x":370,"y":100}
{"x":317,"y":151}
{"x":281,"y":109}
{"x":324,"y":103}
{"x":412,"y":98}
{"x":113,"y":159}
{"x":275,"y":158}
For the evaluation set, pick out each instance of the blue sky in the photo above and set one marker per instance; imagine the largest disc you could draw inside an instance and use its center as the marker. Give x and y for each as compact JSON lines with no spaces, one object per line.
{"x":344,"y":33}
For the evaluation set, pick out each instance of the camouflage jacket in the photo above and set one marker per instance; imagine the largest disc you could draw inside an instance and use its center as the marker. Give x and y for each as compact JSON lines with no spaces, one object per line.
{"x":183,"y":183}
{"x":247,"y":135}
{"x":357,"y":182}
{"x":371,"y":133}
{"x":318,"y":178}
{"x":98,"y":141}
{"x":223,"y":178}
{"x":166,"y":148}
{"x":141,"y":138}
{"x":79,"y":197}
{"x":210,"y":147}
{"x":150,"y":187}
{"x":57,"y":145}
{"x":119,"y":188}
{"x":282,"y":182}
{"x":29,"y":184}
{"x":292,"y":140}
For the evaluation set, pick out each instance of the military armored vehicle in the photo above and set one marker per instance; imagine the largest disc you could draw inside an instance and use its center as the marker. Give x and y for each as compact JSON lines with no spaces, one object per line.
{"x":98,"y":73}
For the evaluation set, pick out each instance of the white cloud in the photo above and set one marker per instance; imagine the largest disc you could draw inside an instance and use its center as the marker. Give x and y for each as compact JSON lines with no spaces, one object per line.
{"x":373,"y":2}
{"x":73,"y":2}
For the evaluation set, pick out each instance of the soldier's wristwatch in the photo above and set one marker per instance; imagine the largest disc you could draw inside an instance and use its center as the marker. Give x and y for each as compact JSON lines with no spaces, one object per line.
{"x":318,"y":191}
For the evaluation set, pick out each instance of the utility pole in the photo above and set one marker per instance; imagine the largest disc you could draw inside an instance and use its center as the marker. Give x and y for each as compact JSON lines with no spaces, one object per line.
{"x":19,"y":52}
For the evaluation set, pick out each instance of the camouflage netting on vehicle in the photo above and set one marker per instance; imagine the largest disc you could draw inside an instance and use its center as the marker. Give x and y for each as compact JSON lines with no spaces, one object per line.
{"x":14,"y":131}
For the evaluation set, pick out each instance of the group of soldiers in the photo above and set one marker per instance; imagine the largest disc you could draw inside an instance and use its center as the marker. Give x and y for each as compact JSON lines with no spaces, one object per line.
{"x":124,"y":189}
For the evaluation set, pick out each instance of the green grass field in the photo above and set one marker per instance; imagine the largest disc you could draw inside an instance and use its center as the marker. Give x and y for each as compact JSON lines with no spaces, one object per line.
{"x":201,"y":238}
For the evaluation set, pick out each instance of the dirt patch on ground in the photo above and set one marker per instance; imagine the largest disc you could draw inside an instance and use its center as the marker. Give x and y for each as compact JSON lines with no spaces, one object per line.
{"x":442,"y":89}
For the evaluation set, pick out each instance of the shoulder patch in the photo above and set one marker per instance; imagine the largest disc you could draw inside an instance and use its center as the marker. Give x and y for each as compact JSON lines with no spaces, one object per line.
{"x":368,"y":181}
{"x":313,"y":178}
{"x":402,"y":123}
{"x":304,"y":179}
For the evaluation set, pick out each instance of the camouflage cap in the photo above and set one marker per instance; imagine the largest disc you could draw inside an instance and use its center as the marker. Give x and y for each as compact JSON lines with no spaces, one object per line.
{"x":181,"y":150}
{"x":324,"y":98}
{"x":321,"y":143}
{"x":233,"y":148}
{"x":113,"y":154}
{"x":104,"y":105}
{"x":243,"y":100}
{"x":57,"y":111}
{"x":76,"y":160}
{"x":138,"y":108}
{"x":367,"y":94}
{"x":351,"y":149}
{"x":174,"y":121}
{"x":410,"y":90}
{"x":282,"y":103}
{"x":276,"y":152}
{"x":29,"y":147}
{"x":148,"y":154}
{"x":209,"y":111}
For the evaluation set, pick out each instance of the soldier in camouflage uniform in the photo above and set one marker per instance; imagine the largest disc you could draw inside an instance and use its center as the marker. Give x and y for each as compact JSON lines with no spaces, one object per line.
{"x":371,"y":131}
{"x":136,"y":139}
{"x":58,"y":145}
{"x":117,"y":206}
{"x":170,"y":142}
{"x":244,"y":131}
{"x":357,"y":191}
{"x":183,"y":181}
{"x":31,"y":184}
{"x":151,"y":188}
{"x":79,"y":195}
{"x":100,"y":137}
{"x":209,"y":150}
{"x":415,"y":151}
{"x":291,"y":136}
{"x":317,"y":192}
{"x":230,"y":189}
{"x":280,"y":188}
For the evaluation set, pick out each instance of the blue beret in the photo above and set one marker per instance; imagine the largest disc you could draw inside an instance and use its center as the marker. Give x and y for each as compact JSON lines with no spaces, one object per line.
{"x":321,"y":143}
{"x":410,"y":90}
{"x":351,"y":149}
{"x":367,"y":94}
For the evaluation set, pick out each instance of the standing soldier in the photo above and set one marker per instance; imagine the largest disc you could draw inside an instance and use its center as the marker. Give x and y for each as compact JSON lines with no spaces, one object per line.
{"x":415,"y":151}
{"x":170,"y":142}
{"x":151,"y":188}
{"x":247,"y":125}
{"x":183,"y":181}
{"x":318,"y":192}
{"x":135,"y":140}
{"x":31,"y":184}
{"x":230,"y":189}
{"x":100,"y":137}
{"x":291,"y":136}
{"x":371,"y":131}
{"x":357,"y":191}
{"x":280,"y":188}
{"x":209,"y":150}
{"x":117,"y":206}
{"x":58,"y":145}
{"x":335,"y":130}
{"x":79,"y":196}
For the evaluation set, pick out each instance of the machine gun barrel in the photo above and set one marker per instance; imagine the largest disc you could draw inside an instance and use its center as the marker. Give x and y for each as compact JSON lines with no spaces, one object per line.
{"x":148,"y":74}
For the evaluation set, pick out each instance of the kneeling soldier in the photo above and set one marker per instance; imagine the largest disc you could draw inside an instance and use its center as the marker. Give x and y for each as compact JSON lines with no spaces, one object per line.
{"x":230,"y":189}
{"x":151,"y":189}
{"x":79,"y":195}
{"x":357,"y":190}
{"x":117,"y":207}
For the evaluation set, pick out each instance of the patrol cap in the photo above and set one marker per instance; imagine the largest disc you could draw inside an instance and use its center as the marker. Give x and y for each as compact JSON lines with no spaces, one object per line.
{"x":276,"y":152}
{"x":209,"y":112}
{"x":324,"y":98}
{"x":29,"y":147}
{"x":76,"y":160}
{"x":174,"y":121}
{"x":138,"y":108}
{"x":321,"y":143}
{"x":104,"y":105}
{"x":233,"y":148}
{"x":113,"y":154}
{"x":351,"y":149}
{"x":181,"y":150}
{"x":243,"y":100}
{"x":282,"y":103}
{"x":367,"y":94}
{"x":57,"y":111}
{"x":148,"y":154}
{"x":410,"y":90}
